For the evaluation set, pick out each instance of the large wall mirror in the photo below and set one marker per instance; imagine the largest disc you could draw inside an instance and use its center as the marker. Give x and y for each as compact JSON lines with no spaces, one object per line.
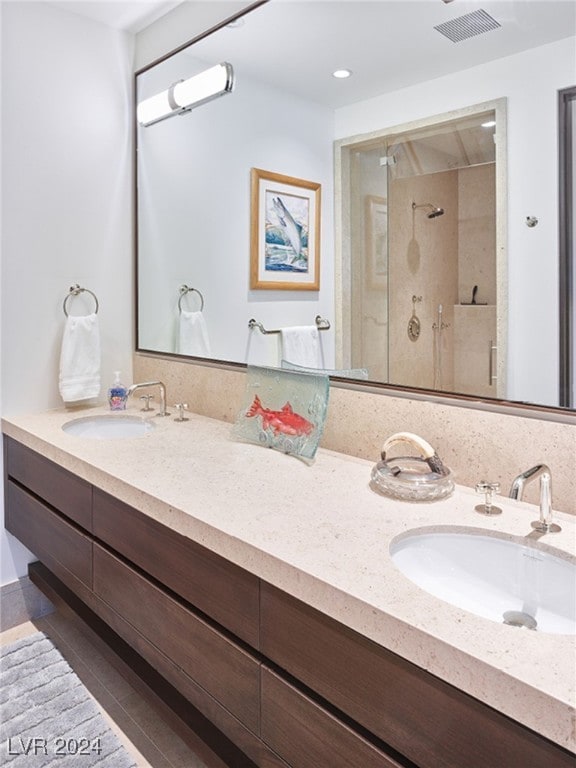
{"x":413,"y":206}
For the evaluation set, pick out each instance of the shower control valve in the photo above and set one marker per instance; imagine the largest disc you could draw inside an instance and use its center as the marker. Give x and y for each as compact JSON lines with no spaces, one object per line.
{"x":488,"y":489}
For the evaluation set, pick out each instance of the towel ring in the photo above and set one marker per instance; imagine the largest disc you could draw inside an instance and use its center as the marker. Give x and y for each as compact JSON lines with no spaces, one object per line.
{"x":76,"y":290}
{"x":184,"y":289}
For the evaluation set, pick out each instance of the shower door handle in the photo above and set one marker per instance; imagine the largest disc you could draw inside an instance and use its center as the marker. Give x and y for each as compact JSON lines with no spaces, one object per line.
{"x":492,"y":348}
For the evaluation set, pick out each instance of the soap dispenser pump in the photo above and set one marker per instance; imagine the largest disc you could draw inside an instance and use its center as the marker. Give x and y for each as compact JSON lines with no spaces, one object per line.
{"x":117,"y":394}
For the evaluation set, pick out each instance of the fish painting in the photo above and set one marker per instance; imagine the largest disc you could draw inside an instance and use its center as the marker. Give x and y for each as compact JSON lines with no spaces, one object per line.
{"x":292,"y":229}
{"x":284,"y":422}
{"x":286,"y":233}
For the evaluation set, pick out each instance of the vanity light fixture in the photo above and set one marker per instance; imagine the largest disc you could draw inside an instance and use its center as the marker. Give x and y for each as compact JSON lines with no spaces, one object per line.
{"x":341,"y":74}
{"x":184,"y":95}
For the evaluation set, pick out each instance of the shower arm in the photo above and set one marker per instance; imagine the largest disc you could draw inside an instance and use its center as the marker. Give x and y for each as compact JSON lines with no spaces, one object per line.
{"x":435,"y":210}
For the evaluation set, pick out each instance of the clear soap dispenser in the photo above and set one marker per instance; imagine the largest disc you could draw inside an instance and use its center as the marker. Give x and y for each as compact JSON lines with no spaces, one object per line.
{"x":117,"y":394}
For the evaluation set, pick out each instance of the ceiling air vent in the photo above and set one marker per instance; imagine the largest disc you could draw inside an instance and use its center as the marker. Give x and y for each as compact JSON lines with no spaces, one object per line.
{"x":469,"y":25}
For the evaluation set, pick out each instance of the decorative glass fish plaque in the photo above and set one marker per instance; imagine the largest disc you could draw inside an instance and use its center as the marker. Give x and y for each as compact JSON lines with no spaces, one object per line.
{"x":283,"y":410}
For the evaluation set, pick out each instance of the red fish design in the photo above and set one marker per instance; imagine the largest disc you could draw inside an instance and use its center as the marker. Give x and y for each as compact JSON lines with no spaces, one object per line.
{"x":285,"y":421}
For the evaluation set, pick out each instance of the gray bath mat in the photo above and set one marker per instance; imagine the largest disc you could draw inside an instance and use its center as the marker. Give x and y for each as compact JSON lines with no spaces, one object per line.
{"x":47,"y":717}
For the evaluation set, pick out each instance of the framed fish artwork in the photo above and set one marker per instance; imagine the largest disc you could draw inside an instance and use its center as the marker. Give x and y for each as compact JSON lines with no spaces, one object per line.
{"x":284,"y":410}
{"x":284,"y":232}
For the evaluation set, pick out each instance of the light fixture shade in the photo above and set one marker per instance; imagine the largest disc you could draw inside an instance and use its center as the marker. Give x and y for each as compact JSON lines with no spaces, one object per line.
{"x":155,"y":108}
{"x":187,"y":94}
{"x":205,"y":86}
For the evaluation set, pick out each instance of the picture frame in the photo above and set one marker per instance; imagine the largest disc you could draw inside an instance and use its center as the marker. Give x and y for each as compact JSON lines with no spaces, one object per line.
{"x":376,"y":233}
{"x":284,"y":232}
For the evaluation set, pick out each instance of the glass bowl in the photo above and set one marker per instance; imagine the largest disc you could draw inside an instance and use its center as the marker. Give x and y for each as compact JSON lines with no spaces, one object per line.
{"x":409,"y":478}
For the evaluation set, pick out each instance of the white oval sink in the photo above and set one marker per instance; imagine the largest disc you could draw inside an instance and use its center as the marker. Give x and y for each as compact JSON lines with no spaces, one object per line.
{"x":493,"y":577}
{"x":108,"y":426}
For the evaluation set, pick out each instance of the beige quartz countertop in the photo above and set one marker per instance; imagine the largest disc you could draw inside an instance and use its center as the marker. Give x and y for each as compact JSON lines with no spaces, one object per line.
{"x":319,"y":533}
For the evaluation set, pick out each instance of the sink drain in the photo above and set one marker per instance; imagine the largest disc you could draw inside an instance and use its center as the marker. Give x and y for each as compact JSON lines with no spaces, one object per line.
{"x":519,"y":619}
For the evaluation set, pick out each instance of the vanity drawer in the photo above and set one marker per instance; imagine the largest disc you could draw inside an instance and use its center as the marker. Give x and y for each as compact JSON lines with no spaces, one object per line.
{"x":58,"y":487}
{"x":226,"y":593}
{"x":55,"y":542}
{"x":305,"y":734}
{"x":427,"y":720}
{"x":217,"y":664}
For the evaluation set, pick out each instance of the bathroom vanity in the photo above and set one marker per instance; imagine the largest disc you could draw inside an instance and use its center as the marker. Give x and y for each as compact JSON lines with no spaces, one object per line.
{"x":255,"y":597}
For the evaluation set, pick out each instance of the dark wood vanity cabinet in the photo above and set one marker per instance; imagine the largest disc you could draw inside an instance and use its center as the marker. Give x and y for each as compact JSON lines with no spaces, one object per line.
{"x":415,"y":713}
{"x":217,"y":664}
{"x":50,"y":511}
{"x":61,"y":489}
{"x":272,"y":682}
{"x":60,"y":545}
{"x":218,"y":588}
{"x":307,"y":734}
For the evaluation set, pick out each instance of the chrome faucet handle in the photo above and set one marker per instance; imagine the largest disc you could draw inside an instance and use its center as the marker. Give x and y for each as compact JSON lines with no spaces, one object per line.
{"x":545,"y":524}
{"x":147,"y":399}
{"x":144,"y":385}
{"x":489,"y":489}
{"x":542,"y":471}
{"x":181,"y":407}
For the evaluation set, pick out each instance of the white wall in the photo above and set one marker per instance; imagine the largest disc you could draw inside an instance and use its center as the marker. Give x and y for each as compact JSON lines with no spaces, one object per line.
{"x":530,"y":81}
{"x":66,"y":202}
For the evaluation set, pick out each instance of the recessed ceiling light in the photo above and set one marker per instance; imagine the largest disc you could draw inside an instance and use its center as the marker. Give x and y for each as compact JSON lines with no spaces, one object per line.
{"x":341,"y":74}
{"x":489,"y":124}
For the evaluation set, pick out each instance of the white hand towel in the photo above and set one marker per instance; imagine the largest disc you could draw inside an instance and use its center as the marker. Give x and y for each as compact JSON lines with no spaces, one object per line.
{"x":193,"y":334}
{"x":80,"y":359}
{"x":301,"y":345}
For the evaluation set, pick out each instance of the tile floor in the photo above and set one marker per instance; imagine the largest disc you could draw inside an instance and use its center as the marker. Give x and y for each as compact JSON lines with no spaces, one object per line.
{"x":145,"y":735}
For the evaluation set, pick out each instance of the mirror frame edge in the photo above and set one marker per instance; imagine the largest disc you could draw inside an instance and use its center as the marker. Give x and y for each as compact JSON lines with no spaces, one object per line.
{"x":566,"y":182}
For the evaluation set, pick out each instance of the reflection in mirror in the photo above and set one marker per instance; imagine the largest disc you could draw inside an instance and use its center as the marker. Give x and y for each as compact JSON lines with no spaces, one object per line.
{"x":425,"y":301}
{"x":465,"y":301}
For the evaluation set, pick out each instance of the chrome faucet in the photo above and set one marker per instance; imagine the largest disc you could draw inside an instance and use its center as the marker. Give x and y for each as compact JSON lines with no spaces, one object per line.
{"x":160,"y":385}
{"x":542,"y":471}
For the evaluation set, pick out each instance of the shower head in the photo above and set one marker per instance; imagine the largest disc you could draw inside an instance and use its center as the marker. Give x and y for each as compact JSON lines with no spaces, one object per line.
{"x":434,"y":211}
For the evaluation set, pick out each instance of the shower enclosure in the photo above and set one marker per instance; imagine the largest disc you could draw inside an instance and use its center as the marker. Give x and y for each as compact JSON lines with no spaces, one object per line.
{"x":419,"y":266}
